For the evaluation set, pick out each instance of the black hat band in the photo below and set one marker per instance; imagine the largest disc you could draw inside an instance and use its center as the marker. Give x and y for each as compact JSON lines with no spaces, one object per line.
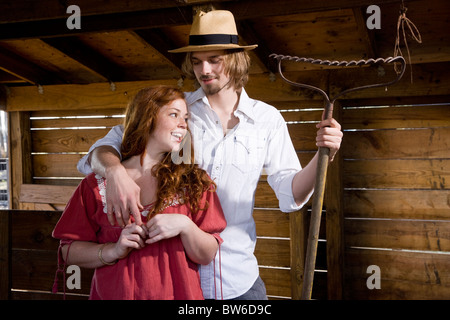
{"x":208,"y":39}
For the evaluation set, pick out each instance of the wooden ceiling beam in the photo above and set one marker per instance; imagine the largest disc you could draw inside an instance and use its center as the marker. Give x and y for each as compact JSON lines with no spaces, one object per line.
{"x":21,"y":68}
{"x":248,"y":35}
{"x":92,"y":60}
{"x":366,"y":35}
{"x":26,"y":10}
{"x":97,"y":23}
{"x":6,"y":77}
{"x":250,"y":9}
{"x":430,"y":79}
{"x":159,"y":41}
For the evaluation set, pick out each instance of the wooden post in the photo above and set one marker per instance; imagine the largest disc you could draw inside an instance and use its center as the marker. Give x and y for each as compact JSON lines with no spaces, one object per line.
{"x":5,"y":282}
{"x":3,"y":94}
{"x":335,"y":222}
{"x":21,"y":170}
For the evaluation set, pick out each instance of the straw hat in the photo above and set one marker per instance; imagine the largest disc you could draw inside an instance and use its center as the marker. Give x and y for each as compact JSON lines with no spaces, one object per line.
{"x":213,"y":30}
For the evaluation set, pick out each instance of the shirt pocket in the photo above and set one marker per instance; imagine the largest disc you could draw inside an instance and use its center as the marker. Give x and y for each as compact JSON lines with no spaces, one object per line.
{"x":248,"y":153}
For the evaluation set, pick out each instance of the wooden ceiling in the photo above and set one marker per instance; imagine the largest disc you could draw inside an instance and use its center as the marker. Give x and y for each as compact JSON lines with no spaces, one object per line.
{"x":128,"y":40}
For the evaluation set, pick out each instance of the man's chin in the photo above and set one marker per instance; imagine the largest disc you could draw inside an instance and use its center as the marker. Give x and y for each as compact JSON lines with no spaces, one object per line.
{"x":211,"y":90}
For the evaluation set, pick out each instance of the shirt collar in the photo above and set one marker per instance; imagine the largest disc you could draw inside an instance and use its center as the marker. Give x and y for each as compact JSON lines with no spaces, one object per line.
{"x":193,"y":97}
{"x":245,"y":105}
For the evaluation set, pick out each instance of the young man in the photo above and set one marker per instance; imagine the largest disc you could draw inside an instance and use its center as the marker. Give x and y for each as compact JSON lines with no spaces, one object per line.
{"x":235,"y":137}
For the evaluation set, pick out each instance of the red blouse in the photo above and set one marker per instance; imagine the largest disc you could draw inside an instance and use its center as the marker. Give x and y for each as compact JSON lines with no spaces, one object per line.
{"x":160,"y":270}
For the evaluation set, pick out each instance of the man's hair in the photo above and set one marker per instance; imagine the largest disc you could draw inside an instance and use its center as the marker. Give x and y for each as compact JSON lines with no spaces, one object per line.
{"x":237,"y":65}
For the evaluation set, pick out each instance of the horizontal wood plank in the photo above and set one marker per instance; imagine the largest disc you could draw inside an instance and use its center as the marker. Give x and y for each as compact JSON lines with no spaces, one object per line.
{"x":404,"y":174}
{"x":423,"y":235}
{"x":273,"y":252}
{"x":46,"y":193}
{"x":271,"y":223}
{"x":46,"y":295}
{"x":102,"y":112}
{"x":73,"y":182}
{"x":56,"y":165}
{"x":395,"y":144}
{"x":82,"y":97}
{"x":395,"y":204}
{"x":403,"y":275}
{"x":298,"y":115}
{"x":79,"y":122}
{"x":277,"y":281}
{"x":35,"y":270}
{"x":391,"y":117}
{"x":65,"y":140}
{"x":303,"y":136}
{"x":265,"y":197}
{"x":32,"y":230}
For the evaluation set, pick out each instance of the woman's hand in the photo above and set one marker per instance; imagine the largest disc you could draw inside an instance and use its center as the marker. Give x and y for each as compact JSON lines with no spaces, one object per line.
{"x":85,"y":254}
{"x":200,"y":246}
{"x":165,"y":226}
{"x":132,"y":237}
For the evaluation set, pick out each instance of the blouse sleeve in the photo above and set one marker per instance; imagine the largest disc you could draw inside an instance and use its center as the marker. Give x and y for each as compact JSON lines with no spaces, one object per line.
{"x":211,"y":220}
{"x":76,"y":221}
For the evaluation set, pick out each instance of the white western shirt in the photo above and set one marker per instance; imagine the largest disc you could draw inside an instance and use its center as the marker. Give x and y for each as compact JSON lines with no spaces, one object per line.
{"x":235,"y":161}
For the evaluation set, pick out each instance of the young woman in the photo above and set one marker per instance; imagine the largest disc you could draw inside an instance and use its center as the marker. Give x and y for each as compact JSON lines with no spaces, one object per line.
{"x":181,"y":218}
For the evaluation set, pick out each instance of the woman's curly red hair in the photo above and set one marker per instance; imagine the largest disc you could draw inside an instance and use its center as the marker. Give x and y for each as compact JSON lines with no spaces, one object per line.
{"x":175,"y":181}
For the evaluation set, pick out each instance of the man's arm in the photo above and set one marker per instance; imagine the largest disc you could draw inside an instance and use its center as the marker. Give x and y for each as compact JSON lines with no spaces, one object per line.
{"x":329,"y":136}
{"x":122,"y":193}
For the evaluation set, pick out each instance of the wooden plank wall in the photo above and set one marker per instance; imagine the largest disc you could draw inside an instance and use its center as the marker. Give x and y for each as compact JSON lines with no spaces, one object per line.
{"x":29,"y":260}
{"x":396,"y":200}
{"x":58,"y":140}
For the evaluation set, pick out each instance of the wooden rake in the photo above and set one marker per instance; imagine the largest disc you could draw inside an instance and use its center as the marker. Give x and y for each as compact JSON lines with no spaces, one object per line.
{"x":324,"y":153}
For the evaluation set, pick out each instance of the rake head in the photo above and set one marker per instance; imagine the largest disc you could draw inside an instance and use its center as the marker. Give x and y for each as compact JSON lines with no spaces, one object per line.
{"x":398,"y":59}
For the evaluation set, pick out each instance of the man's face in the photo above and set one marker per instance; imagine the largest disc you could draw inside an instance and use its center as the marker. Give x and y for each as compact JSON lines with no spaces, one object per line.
{"x":209,"y":69}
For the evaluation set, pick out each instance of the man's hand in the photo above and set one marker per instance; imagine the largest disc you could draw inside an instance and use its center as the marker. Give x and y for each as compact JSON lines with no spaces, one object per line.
{"x":329,"y":136}
{"x":122,"y":197}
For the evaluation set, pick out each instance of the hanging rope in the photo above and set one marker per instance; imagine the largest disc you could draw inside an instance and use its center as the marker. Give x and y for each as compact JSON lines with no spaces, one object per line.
{"x":415,"y":34}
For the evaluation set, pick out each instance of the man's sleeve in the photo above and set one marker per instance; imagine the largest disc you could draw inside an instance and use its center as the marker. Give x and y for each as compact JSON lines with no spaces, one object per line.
{"x":113,"y":139}
{"x":282,"y":165}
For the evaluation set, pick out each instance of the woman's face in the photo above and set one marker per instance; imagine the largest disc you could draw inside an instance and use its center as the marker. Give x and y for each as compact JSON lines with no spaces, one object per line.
{"x":171,"y":127}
